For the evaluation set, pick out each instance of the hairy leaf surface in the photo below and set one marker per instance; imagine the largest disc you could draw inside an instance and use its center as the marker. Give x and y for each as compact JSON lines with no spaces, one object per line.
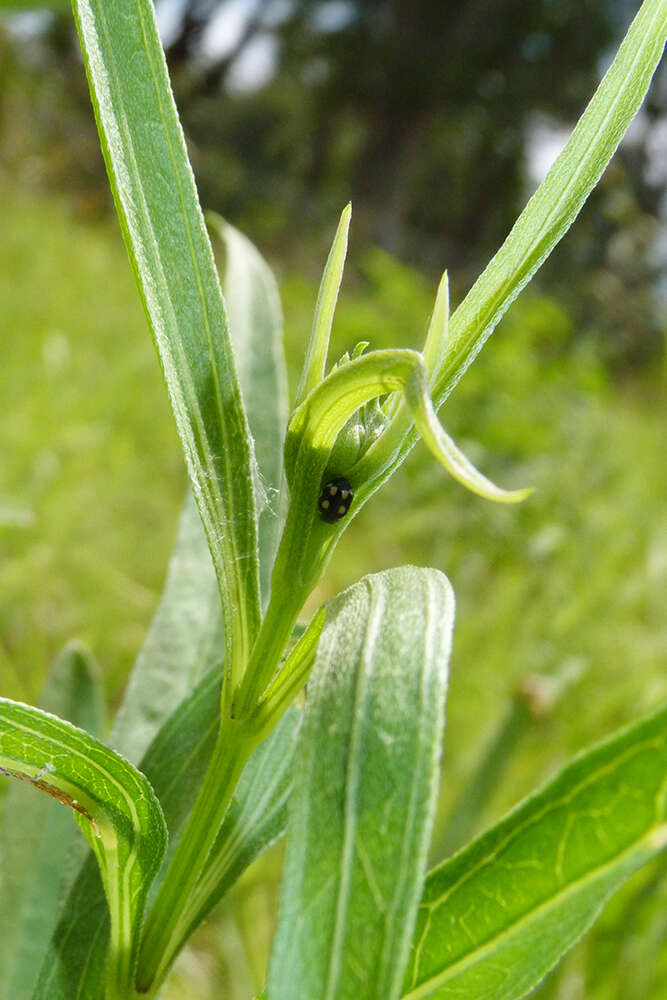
{"x":364,"y":791}
{"x":171,"y":255}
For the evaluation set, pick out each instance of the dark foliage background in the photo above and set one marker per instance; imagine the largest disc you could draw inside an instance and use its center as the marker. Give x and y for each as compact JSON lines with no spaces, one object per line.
{"x":433,"y":116}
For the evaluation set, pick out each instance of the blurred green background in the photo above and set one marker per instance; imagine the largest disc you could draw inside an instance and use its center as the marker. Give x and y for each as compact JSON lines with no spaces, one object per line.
{"x":437,"y":118}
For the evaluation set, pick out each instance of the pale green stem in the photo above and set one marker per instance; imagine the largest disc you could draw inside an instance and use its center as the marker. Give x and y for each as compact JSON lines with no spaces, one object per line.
{"x":162,"y":935}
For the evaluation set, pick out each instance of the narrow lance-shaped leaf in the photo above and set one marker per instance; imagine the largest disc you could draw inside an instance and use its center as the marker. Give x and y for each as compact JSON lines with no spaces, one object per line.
{"x":436,"y":343}
{"x":166,"y":239}
{"x":37,"y":837}
{"x":256,"y":327}
{"x":185,"y":638}
{"x":114,"y":805}
{"x":544,"y":221}
{"x":364,"y":792}
{"x":327,"y":297}
{"x":174,"y":764}
{"x":558,"y":200}
{"x":496,"y":917}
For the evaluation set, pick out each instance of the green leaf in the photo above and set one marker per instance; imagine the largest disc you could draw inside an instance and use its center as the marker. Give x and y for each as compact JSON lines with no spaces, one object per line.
{"x":557,"y":202}
{"x":185,"y":638}
{"x":364,"y":791}
{"x":169,"y":249}
{"x":327,"y":297}
{"x":174,"y":764}
{"x":74,"y":966}
{"x":496,"y":917}
{"x":115,"y":807}
{"x":37,"y":837}
{"x":436,"y":343}
{"x":255,"y":322}
{"x":443,"y":448}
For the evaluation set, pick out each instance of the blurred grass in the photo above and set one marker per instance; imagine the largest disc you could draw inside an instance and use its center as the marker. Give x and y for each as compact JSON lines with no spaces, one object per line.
{"x":90,"y":473}
{"x":571,"y":584}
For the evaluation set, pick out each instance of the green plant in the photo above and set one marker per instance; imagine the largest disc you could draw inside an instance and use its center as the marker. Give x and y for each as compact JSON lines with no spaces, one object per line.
{"x":209,"y":716}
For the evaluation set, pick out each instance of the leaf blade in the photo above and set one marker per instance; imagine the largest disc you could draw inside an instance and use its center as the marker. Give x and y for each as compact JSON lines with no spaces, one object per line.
{"x":114,"y":805}
{"x":185,"y":638}
{"x":358,"y":887}
{"x":558,"y":200}
{"x":460,"y":950}
{"x":37,"y":837}
{"x":255,"y":321}
{"x":171,"y":256}
{"x":325,"y":307}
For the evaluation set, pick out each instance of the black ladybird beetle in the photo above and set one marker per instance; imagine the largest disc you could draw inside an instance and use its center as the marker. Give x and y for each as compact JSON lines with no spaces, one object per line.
{"x":335,"y":500}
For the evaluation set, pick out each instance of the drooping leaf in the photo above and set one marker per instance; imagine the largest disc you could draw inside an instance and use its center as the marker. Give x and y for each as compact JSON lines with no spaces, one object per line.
{"x":497,"y":916}
{"x":37,"y":837}
{"x":175,"y":764}
{"x":115,"y":807}
{"x":256,"y":327}
{"x":320,"y":418}
{"x":364,"y":791}
{"x":171,"y":255}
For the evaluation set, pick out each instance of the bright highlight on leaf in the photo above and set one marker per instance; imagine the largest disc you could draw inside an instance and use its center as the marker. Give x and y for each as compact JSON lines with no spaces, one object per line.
{"x":114,"y":804}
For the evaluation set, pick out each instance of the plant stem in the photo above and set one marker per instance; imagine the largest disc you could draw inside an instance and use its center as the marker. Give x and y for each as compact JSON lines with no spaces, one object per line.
{"x":273,"y":637}
{"x":162,"y":934}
